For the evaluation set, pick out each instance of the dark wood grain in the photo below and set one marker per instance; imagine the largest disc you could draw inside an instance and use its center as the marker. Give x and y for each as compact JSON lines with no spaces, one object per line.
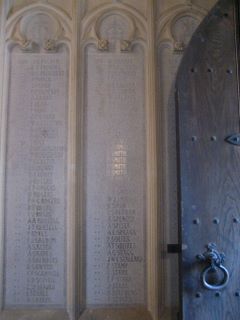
{"x":209,"y":167}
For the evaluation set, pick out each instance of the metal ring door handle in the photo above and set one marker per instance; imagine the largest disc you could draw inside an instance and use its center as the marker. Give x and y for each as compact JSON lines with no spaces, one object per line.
{"x":215,"y":259}
{"x":219,"y":286}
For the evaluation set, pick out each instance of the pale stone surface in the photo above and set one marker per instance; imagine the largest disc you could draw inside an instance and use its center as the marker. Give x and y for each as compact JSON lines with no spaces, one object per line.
{"x":167,"y":5}
{"x":141,"y":5}
{"x":35,"y":195}
{"x":115,"y":175}
{"x":114,"y":27}
{"x":207,"y":4}
{"x":63,"y":4}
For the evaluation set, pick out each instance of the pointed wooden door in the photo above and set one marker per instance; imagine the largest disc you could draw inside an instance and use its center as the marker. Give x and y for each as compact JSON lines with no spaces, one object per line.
{"x":209,"y":168}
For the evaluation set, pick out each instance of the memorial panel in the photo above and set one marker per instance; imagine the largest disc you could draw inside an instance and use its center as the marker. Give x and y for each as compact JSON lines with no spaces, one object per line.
{"x":115,"y":178}
{"x":36,"y":175}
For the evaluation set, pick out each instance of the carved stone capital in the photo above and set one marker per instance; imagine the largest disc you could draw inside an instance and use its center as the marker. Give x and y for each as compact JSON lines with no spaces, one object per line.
{"x":103,"y":45}
{"x":179,"y":47}
{"x":125,"y":45}
{"x":50,"y":45}
{"x":25,"y":45}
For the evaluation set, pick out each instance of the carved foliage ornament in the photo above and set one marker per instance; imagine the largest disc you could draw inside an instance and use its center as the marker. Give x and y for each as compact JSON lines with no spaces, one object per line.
{"x":103,"y":44}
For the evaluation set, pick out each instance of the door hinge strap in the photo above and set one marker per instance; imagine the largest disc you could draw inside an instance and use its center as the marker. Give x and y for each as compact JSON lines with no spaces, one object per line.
{"x":234,"y":139}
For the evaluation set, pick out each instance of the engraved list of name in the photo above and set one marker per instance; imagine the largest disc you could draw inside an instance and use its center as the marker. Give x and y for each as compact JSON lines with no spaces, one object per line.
{"x":115,"y":171}
{"x":35,"y":193}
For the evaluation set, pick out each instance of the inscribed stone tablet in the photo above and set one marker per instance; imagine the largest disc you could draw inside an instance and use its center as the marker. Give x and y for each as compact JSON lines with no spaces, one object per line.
{"x":115,"y":178}
{"x":35,"y":193}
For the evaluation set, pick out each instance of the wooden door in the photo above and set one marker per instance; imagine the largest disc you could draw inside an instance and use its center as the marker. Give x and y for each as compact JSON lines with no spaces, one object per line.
{"x":209,"y":168}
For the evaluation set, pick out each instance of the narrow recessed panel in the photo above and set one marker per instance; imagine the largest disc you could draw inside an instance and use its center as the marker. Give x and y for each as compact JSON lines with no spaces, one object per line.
{"x":115,"y":178}
{"x":35,"y":192}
